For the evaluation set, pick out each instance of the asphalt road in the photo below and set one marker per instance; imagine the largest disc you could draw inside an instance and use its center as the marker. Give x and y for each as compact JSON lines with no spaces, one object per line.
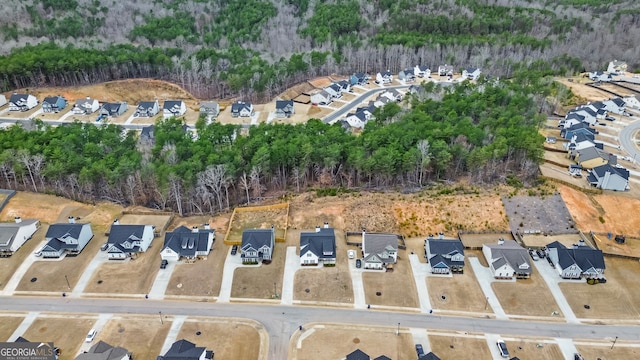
{"x":282,"y":321}
{"x":355,"y":102}
{"x":627,"y":140}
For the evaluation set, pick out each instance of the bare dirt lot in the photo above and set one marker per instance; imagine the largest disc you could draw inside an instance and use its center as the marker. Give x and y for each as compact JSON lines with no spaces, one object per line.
{"x":477,"y":240}
{"x":622,"y":289}
{"x":159,"y":221}
{"x":9,"y":265}
{"x":228,"y":338}
{"x":539,"y":240}
{"x":517,"y":298}
{"x":583,"y":91}
{"x":259,"y":281}
{"x":68,"y":341}
{"x":396,"y":288}
{"x":455,"y":346}
{"x":9,"y":324}
{"x":605,"y":352}
{"x":461,"y":292}
{"x":546,"y":214}
{"x":259,"y":219}
{"x":533,"y":349}
{"x":337,"y":341}
{"x":141,"y":335}
{"x":616,"y":89}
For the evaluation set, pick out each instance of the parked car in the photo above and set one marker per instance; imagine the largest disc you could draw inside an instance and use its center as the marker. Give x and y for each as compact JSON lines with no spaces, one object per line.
{"x":610,"y":118}
{"x":577,"y":356}
{"x":502,"y":348}
{"x":541,"y":254}
{"x":419,"y":350}
{"x":91,"y":335}
{"x":351,"y":253}
{"x":234,"y":249}
{"x":163,"y":264}
{"x":358,"y":263}
{"x":534,"y":255}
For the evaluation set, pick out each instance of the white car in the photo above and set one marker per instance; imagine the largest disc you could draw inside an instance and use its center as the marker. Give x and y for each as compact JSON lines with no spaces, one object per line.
{"x":91,"y":335}
{"x":351,"y":254}
{"x":502,"y":348}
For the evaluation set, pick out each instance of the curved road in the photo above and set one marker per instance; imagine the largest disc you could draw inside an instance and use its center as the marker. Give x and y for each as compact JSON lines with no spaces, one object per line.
{"x":282,"y":321}
{"x":627,"y":139}
{"x":355,"y":102}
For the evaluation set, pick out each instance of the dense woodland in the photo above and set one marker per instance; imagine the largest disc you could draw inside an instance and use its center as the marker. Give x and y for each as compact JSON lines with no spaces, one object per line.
{"x":486,"y":132}
{"x":256,"y":48}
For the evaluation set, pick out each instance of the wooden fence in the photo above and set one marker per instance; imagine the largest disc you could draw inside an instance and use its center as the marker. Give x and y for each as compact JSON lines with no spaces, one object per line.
{"x":256,"y":209}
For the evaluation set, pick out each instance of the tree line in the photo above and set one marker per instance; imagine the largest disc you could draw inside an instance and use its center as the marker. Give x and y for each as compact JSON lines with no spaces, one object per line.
{"x":486,"y":132}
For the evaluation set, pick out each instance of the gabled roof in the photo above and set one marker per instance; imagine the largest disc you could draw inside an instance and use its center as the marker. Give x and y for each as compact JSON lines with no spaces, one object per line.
{"x":64,"y":229}
{"x":408,"y":72}
{"x":574,"y":115}
{"x":386,"y":73}
{"x":257,"y":238}
{"x":598,"y":104}
{"x":589,"y":153}
{"x":209,"y":105}
{"x":319,"y":242}
{"x":429,"y":356}
{"x":186,"y":242}
{"x":360,"y":76}
{"x":580,"y":137}
{"x":442,"y":247}
{"x":283,"y":104}
{"x":8,"y":231}
{"x":382,"y":357}
{"x":618,"y":101}
{"x":344,"y":84}
{"x":361,"y":115}
{"x":512,"y":253}
{"x":335,"y":87}
{"x":423,"y":67}
{"x":147,"y":105}
{"x":122,"y":232}
{"x":16,"y":98}
{"x":379,"y":243}
{"x":471,"y":70}
{"x":103,"y":351}
{"x":238,"y":106}
{"x":52,"y":99}
{"x":183,"y":350}
{"x":358,"y":354}
{"x":603,"y":169}
{"x":112,"y":108}
{"x":588,"y":110}
{"x":85,"y":102}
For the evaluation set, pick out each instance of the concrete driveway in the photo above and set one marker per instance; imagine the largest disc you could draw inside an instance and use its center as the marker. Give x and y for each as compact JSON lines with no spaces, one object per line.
{"x":100,"y":258}
{"x":12,"y":284}
{"x":291,"y":265}
{"x":551,"y":277}
{"x":485,"y":278}
{"x":420,"y":272}
{"x":230,"y":264}
{"x":161,"y":281}
{"x":359,"y":299}
{"x":100,"y":323}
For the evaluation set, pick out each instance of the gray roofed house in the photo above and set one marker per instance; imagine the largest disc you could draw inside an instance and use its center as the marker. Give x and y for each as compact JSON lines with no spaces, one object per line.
{"x":407,"y":75}
{"x":85,"y":106}
{"x":103,"y":351}
{"x":241,"y":109}
{"x":358,"y":79}
{"x":445,"y":70}
{"x":358,"y":354}
{"x":379,"y":250}
{"x":69,"y":238}
{"x":284,"y":108}
{"x":147,"y":109}
{"x":114,"y":109}
{"x":444,"y":256}
{"x":382,"y":357}
{"x":125,"y":239}
{"x":321,"y":98}
{"x":13,"y":235}
{"x":257,"y":245}
{"x":507,"y":259}
{"x":186,"y":350}
{"x":607,"y":177}
{"x":185,"y":243}
{"x":318,"y":246}
{"x":22,"y":102}
{"x":429,"y":356}
{"x":210,"y":108}
{"x":53,"y":104}
{"x":172,"y":108}
{"x":576,"y":262}
{"x":471,"y":73}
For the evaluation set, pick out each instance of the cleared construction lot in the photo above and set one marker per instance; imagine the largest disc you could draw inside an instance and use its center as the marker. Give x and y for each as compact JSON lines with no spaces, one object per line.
{"x":529,"y":297}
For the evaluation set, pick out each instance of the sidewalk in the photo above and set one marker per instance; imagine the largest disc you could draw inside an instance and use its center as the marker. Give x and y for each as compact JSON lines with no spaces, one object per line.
{"x":420,"y":273}
{"x":485,"y":279}
{"x":291,"y":265}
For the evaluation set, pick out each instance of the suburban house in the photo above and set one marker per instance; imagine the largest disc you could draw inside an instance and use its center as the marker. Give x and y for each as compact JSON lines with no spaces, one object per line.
{"x":445,"y":70}
{"x":579,"y":141}
{"x":257,"y":245}
{"x":588,"y":114}
{"x":321,"y":98}
{"x":576,"y":126}
{"x":632,"y":101}
{"x":334,"y":88}
{"x":85,"y":106}
{"x":392,"y":94}
{"x":318,"y":246}
{"x":53,"y":104}
{"x":598,"y":107}
{"x":379,"y":250}
{"x":599,"y":76}
{"x":358,"y":79}
{"x":592,"y":157}
{"x":113,"y":109}
{"x":3,"y":100}
{"x":615,"y":105}
{"x":617,"y":67}
{"x":284,"y":108}
{"x":173,"y":108}
{"x":22,"y":102}
{"x":14,"y":235}
{"x":444,"y":256}
{"x":607,"y":177}
{"x":358,"y":354}
{"x":147,"y":134}
{"x":507,"y":259}
{"x":103,"y":351}
{"x":210,"y":108}
{"x":241,"y":109}
{"x":471,"y":73}
{"x":185,"y":243}
{"x":571,"y":132}
{"x":422,"y":71}
{"x":344,"y":85}
{"x":186,"y":350}
{"x":147,"y":109}
{"x":358,"y":119}
{"x":576,"y":262}
{"x":407,"y":75}
{"x":429,"y":356}
{"x":125,"y":239}
{"x":68,"y":238}
{"x":385,"y":77}
{"x":571,"y":116}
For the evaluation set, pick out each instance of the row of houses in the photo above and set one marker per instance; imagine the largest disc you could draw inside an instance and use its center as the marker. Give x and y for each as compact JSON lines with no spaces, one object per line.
{"x":334,"y":91}
{"x":359,"y":118}
{"x":604,"y":171}
{"x":410,"y":74}
{"x":614,"y":68}
{"x":179,"y":350}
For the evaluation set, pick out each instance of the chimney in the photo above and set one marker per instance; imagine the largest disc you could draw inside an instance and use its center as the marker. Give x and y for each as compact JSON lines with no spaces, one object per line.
{"x":326,"y":225}
{"x":194,"y":229}
{"x":317,"y":229}
{"x":500,"y":241}
{"x":71,"y":219}
{"x":88,"y":98}
{"x":364,"y":232}
{"x":116,"y":222}
{"x":441,"y":236}
{"x":18,"y":219}
{"x":207,"y":227}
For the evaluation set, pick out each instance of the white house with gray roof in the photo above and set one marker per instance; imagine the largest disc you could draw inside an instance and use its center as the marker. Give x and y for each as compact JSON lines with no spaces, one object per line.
{"x":507,"y":259}
{"x":85,"y":106}
{"x":607,"y":177}
{"x":577,"y":261}
{"x":379,"y":250}
{"x":125,"y":240}
{"x":14,"y":234}
{"x":257,"y":245}
{"x":185,"y":243}
{"x":471,"y":73}
{"x":318,"y":246}
{"x":173,"y":108}
{"x":22,"y":102}
{"x":66,"y":238}
{"x":147,"y":109}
